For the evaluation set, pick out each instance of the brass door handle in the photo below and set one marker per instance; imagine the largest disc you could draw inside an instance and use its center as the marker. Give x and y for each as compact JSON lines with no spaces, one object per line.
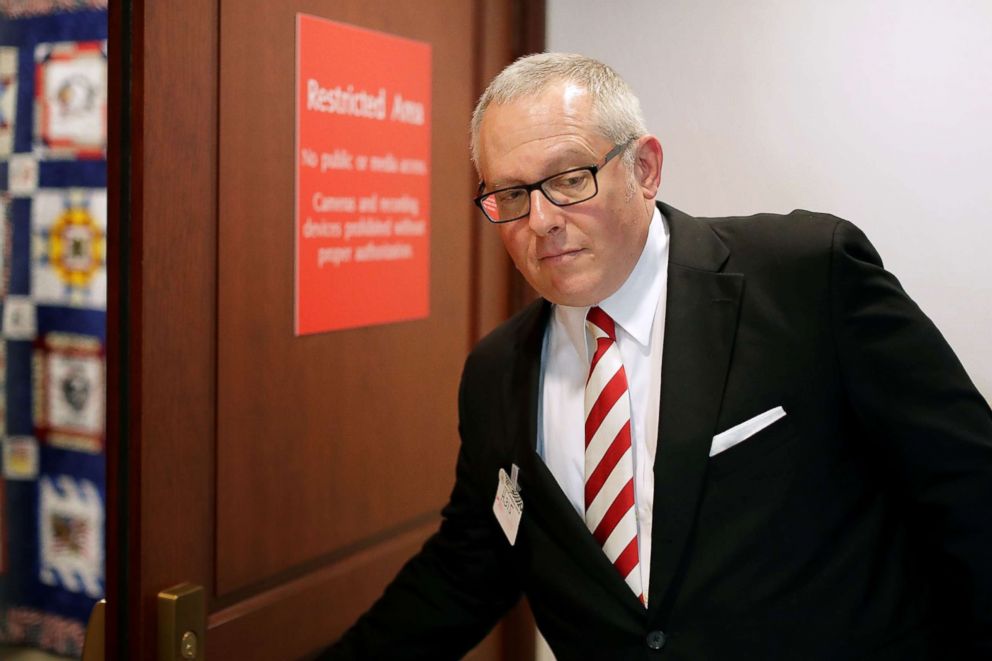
{"x":182,"y":623}
{"x":94,"y":648}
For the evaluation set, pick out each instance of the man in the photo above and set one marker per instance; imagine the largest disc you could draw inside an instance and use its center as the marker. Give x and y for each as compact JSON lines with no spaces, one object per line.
{"x":711,"y":439}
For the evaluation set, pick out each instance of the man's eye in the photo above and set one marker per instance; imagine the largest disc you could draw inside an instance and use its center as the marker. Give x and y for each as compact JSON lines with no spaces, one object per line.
{"x":508,"y":196}
{"x":571,"y":181}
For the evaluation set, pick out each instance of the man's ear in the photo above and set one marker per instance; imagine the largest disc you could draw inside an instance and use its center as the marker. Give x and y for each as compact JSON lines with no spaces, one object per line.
{"x":647,"y":165}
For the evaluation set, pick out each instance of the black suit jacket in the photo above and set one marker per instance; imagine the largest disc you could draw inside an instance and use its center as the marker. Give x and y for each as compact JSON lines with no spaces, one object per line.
{"x":857,"y":526}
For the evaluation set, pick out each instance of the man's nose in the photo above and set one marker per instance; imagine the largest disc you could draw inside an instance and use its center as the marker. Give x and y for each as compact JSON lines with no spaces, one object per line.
{"x":544,"y":217}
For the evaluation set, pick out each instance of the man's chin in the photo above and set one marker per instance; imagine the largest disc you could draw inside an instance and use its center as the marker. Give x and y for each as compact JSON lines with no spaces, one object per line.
{"x":570,"y":294}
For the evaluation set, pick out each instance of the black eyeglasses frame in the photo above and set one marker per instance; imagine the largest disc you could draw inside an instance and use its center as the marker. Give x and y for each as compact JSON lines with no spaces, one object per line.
{"x":538,"y":185}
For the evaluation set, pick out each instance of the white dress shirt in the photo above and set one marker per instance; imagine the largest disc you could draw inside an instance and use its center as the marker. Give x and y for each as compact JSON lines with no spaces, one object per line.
{"x":638,"y":308}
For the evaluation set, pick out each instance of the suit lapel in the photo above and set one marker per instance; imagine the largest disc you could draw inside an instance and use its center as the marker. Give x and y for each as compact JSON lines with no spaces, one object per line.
{"x":700,"y":325}
{"x":544,"y":502}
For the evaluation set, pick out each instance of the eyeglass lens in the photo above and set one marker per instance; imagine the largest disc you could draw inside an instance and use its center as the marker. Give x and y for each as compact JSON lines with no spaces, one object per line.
{"x":564,"y":189}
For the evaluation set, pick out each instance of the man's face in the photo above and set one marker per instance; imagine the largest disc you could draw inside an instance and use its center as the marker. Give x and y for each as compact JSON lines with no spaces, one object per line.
{"x":580,"y":254}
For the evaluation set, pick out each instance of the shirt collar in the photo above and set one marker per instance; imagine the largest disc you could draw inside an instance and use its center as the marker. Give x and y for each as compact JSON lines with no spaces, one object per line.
{"x":632,"y":306}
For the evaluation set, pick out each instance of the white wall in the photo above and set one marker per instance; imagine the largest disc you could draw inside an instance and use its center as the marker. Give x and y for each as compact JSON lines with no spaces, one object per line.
{"x":879,"y":112}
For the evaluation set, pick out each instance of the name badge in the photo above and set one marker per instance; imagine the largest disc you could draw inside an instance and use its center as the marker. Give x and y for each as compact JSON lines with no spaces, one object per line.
{"x":508,"y":506}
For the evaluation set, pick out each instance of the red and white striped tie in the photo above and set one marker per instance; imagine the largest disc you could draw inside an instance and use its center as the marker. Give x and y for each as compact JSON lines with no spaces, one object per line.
{"x":609,"y":496}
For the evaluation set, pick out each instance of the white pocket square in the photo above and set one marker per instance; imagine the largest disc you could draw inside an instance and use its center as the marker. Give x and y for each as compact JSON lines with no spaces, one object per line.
{"x":728,"y":439}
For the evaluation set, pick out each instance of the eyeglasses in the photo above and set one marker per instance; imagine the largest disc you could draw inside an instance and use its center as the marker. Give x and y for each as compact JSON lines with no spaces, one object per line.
{"x":562,"y":190}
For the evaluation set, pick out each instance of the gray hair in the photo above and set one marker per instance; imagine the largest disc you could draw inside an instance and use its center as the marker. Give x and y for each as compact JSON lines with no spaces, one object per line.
{"x":616,"y":110}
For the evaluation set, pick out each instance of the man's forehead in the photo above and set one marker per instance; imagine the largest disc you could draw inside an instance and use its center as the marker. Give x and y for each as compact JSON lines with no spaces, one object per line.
{"x":551,"y":154}
{"x":521,"y":169}
{"x":563,"y":101}
{"x":540,"y":132}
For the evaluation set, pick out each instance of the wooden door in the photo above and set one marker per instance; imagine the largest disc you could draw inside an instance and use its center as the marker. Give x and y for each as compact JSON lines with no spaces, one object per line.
{"x":290,"y":477}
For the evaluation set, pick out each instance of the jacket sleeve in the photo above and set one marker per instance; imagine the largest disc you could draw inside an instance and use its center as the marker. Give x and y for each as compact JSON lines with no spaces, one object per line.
{"x":910,"y":390}
{"x":448,"y":596}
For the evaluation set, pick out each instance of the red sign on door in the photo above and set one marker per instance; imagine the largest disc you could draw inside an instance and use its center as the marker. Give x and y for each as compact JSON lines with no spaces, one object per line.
{"x":363,"y":136}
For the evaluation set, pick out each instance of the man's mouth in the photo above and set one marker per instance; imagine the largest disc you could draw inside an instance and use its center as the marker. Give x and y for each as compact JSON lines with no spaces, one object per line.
{"x":558,"y":255}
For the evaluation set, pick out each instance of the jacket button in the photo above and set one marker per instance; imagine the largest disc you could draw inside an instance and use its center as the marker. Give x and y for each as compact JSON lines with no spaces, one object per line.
{"x":656,"y":640}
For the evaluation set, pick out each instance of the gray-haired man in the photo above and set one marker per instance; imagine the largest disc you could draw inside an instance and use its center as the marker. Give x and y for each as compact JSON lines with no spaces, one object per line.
{"x":728,"y":438}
